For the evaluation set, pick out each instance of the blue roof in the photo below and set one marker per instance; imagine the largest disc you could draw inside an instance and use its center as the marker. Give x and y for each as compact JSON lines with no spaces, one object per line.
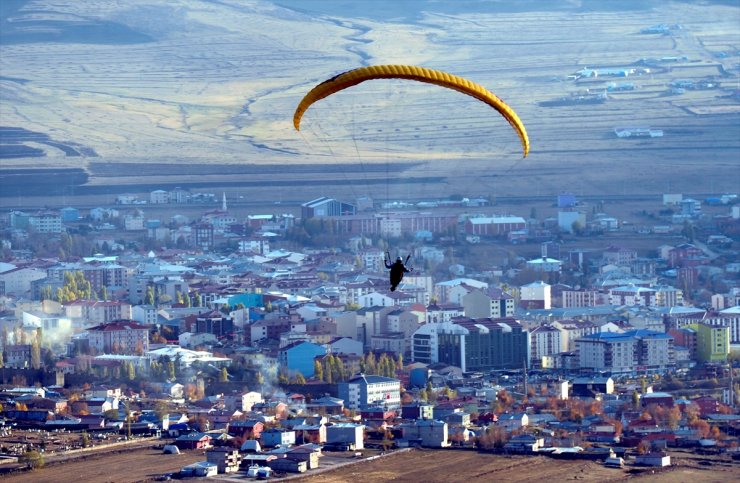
{"x":629,"y":335}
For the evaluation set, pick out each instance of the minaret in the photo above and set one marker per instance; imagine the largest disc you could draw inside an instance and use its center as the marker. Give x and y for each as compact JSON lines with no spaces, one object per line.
{"x":223,"y":202}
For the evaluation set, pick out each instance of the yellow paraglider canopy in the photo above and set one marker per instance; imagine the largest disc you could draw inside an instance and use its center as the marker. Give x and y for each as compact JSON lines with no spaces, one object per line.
{"x":421,"y":74}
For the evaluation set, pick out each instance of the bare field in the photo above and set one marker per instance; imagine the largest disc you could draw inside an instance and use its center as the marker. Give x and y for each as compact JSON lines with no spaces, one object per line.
{"x":446,"y":466}
{"x":111,"y":467}
{"x":525,"y":57}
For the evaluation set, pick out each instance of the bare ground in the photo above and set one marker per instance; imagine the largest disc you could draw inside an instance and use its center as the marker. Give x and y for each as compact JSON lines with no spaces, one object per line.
{"x":128,"y":466}
{"x":458,"y":466}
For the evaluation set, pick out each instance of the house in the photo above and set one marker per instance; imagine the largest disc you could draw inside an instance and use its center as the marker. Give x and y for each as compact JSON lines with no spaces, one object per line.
{"x":307,"y":453}
{"x":524,"y":443}
{"x":242,"y":402}
{"x":201,"y":468}
{"x":299,"y":357}
{"x":288,"y":465}
{"x":277,"y":437}
{"x":250,"y":429}
{"x":193,"y":441}
{"x":226,"y":459}
{"x":658,"y":398}
{"x":513,"y":421}
{"x":327,"y":404}
{"x":430,"y":433}
{"x":363,"y":391}
{"x":417,"y":411}
{"x":310,"y":433}
{"x":590,"y":386}
{"x":659,"y":459}
{"x":353,"y":435}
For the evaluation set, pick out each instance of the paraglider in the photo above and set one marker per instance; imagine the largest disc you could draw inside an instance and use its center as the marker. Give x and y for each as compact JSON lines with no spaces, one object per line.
{"x":420,"y":74}
{"x":397,"y":269}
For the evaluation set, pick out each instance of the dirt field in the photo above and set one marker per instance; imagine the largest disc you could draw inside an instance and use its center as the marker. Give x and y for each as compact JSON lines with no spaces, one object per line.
{"x":122,"y":467}
{"x":455,"y":466}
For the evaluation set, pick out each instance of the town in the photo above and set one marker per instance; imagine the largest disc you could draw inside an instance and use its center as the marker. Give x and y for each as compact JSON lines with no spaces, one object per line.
{"x":270,"y":344}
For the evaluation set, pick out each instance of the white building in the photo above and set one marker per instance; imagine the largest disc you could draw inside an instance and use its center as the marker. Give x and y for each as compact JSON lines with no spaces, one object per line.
{"x":488,"y":303}
{"x":631,"y":295}
{"x":545,"y":264}
{"x":17,"y":281}
{"x":188,"y":357}
{"x":158,"y":197}
{"x":371,"y":391}
{"x":632,"y":352}
{"x":537,"y":293}
{"x":545,"y":340}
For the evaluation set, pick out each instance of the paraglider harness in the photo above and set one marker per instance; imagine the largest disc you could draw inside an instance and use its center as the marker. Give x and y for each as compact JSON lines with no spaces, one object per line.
{"x":397,"y":269}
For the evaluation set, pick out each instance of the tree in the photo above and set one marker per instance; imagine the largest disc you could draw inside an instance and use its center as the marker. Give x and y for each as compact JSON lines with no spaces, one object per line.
{"x":32,"y":459}
{"x":299,"y":379}
{"x":318,"y":370}
{"x":130,"y":371}
{"x":35,"y":354}
{"x":149,"y":298}
{"x":224,"y":376}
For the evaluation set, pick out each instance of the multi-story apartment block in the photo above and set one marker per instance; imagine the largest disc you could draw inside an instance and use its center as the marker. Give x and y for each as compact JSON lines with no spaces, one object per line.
{"x":443,"y":313}
{"x":632,"y":352}
{"x":488,"y":303}
{"x":631,"y":295}
{"x":573,"y":330}
{"x":545,"y":340}
{"x":472,"y":344}
{"x":45,"y":222}
{"x":712,"y":341}
{"x":17,"y":281}
{"x":667,"y":296}
{"x":98,"y":274}
{"x":119,"y":337}
{"x":364,"y":391}
{"x":579,"y":298}
{"x":98,"y":312}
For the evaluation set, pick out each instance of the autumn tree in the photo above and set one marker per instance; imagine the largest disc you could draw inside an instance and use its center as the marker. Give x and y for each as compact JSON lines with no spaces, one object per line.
{"x":318,"y":370}
{"x":35,"y":354}
{"x":32,"y":459}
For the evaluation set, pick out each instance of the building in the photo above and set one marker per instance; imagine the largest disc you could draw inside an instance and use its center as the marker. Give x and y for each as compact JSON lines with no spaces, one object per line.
{"x":119,"y":337}
{"x":17,"y":281}
{"x":45,"y":222}
{"x":579,"y":298}
{"x":428,"y":432}
{"x":632,"y":295}
{"x":632,"y":352}
{"x":488,"y":302}
{"x":350,"y":434}
{"x":227,"y":459}
{"x":365,"y":391}
{"x":325,"y":207}
{"x":712,"y":342}
{"x":494,"y":226}
{"x":472,"y":344}
{"x":298,"y":357}
{"x":545,"y":264}
{"x":545,"y":340}
{"x":98,"y":274}
{"x":535,"y":295}
{"x":98,"y":312}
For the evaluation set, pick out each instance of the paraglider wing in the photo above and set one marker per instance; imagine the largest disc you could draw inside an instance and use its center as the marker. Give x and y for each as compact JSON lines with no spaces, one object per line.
{"x":421,"y":74}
